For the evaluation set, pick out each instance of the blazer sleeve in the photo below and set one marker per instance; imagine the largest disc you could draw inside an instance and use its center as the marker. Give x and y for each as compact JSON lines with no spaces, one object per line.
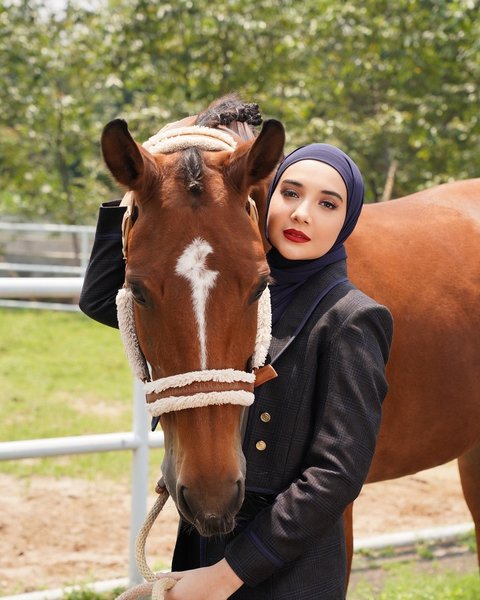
{"x":105,"y":272}
{"x":351,"y":387}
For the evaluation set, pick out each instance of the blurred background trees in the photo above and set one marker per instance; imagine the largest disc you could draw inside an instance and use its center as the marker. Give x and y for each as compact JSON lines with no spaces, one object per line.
{"x":394,"y":84}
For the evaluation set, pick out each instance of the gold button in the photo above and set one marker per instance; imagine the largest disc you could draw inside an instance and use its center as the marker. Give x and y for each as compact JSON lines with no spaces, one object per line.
{"x":260,"y":445}
{"x":265,"y":417}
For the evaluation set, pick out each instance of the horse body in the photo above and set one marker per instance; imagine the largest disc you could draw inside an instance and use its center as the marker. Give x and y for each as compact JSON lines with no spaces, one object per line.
{"x":419,"y":256}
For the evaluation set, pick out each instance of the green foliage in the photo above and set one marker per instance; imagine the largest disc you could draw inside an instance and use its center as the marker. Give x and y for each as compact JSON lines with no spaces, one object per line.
{"x":389,"y":82}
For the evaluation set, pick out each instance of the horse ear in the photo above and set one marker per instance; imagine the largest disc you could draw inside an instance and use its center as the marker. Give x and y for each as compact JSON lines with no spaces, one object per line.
{"x":254,"y":161}
{"x":127,"y":161}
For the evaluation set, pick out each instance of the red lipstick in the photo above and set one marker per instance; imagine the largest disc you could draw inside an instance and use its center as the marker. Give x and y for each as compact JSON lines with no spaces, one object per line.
{"x":293,"y":235}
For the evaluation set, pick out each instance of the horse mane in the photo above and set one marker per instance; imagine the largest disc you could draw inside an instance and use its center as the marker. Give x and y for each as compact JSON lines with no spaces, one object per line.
{"x":226,"y":110}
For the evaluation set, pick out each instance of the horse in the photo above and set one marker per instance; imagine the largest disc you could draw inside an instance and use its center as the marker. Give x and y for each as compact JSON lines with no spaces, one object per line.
{"x":418,"y":255}
{"x":196,"y":273}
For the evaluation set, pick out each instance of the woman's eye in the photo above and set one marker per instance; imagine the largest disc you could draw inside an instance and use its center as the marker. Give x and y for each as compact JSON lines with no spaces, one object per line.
{"x":328,"y":204}
{"x":289,"y":193}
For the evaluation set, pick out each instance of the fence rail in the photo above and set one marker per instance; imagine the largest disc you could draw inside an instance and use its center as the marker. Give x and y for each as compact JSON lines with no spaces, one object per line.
{"x":138,"y":441}
{"x":40,"y":287}
{"x":79,"y":444}
{"x":19,"y":292}
{"x":81,"y":234}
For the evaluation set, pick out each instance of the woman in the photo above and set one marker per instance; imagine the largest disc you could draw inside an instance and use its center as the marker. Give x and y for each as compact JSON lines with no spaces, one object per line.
{"x":319,"y":417}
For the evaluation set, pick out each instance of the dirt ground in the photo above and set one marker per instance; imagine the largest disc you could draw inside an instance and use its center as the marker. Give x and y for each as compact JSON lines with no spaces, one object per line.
{"x":60,"y":532}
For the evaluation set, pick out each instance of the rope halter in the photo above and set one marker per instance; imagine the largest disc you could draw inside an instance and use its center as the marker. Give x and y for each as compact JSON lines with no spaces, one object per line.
{"x":197,"y":388}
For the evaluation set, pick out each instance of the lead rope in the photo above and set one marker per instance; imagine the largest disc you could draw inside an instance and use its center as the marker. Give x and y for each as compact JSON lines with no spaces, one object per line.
{"x":156,"y":583}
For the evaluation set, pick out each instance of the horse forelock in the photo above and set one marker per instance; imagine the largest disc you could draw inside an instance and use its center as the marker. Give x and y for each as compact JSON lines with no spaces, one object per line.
{"x":192,"y":170}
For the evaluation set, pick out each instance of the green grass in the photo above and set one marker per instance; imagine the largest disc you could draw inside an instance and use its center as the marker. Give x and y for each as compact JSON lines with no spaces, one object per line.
{"x":62,"y":374}
{"x":404,"y":583}
{"x":88,"y":594}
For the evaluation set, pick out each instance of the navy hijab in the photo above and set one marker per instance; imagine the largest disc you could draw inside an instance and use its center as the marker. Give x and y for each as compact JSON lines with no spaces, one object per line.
{"x":288,"y":275}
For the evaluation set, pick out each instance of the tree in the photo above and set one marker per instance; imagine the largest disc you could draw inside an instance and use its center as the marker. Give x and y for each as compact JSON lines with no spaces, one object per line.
{"x":394,"y":84}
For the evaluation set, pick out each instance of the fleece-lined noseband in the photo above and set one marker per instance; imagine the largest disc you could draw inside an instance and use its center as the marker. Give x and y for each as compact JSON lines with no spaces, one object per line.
{"x":209,"y":386}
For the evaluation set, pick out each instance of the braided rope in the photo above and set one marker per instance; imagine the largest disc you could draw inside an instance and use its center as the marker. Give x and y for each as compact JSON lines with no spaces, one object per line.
{"x":181,"y":138}
{"x":156,"y":583}
{"x":154,"y":589}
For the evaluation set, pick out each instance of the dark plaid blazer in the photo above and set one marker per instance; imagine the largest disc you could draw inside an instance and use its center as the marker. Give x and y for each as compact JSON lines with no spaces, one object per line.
{"x":309,"y":440}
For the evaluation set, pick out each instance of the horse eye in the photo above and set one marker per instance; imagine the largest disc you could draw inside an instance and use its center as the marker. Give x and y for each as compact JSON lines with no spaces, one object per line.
{"x":259,"y":291}
{"x":137,"y":293}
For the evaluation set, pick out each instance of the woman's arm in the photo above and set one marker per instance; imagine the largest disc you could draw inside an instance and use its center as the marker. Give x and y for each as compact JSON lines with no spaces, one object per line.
{"x":106,"y":269}
{"x":351,"y":386}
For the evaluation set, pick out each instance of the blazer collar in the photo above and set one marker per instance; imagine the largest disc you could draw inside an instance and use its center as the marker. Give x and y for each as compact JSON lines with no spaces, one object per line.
{"x":303,"y":304}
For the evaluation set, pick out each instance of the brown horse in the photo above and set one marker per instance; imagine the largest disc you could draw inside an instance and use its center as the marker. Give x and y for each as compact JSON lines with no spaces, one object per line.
{"x":196,"y":269}
{"x":419,"y":255}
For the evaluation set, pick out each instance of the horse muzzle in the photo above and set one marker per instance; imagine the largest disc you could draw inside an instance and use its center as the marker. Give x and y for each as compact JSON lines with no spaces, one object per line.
{"x":212,"y":514}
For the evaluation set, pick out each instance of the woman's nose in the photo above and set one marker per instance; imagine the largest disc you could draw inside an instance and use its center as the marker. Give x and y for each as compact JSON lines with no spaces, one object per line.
{"x":301,"y":214}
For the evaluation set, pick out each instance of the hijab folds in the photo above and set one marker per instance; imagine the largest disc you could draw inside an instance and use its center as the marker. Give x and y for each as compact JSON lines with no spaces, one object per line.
{"x":288,"y":275}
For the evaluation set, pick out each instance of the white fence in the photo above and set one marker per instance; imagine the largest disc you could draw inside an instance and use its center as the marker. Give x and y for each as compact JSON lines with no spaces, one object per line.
{"x":36,"y":236}
{"x":47,"y":249}
{"x":138,"y":441}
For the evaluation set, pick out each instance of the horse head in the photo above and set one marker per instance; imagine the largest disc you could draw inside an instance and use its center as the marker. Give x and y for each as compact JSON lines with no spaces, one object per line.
{"x":195,"y":272}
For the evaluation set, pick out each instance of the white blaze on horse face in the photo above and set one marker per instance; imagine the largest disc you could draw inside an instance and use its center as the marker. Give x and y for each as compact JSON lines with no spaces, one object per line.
{"x":192,"y":266}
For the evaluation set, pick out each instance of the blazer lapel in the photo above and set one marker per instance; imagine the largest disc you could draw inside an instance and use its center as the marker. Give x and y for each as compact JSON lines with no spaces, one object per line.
{"x":302,"y":306}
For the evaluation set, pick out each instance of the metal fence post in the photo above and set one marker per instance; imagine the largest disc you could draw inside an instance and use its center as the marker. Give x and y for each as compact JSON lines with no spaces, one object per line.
{"x":84,"y":248}
{"x":139,"y":476}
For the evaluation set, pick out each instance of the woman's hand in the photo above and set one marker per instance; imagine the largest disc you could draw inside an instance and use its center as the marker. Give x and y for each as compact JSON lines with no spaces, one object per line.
{"x":217,"y":582}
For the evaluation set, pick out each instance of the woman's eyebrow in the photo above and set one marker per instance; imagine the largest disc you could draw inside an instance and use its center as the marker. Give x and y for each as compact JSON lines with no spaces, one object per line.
{"x":331,"y":193}
{"x":293,"y":182}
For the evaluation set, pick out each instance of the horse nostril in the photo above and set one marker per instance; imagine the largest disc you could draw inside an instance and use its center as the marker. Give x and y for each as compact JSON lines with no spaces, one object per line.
{"x":182,"y":501}
{"x":240,"y":483}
